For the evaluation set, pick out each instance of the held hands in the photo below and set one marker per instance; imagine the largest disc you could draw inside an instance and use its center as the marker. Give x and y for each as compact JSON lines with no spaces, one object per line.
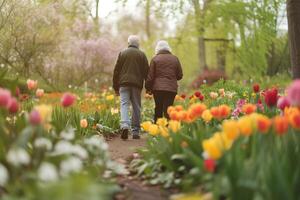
{"x":117,"y":93}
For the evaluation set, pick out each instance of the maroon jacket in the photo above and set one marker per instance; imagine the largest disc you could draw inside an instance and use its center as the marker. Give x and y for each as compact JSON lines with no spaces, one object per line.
{"x":165,"y":71}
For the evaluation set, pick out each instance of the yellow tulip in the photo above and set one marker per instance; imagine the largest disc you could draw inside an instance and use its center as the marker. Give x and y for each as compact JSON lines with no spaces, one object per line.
{"x":223,"y":142}
{"x":146,"y":125}
{"x":207,"y":116}
{"x":163,"y":131}
{"x":162,"y":122}
{"x":246,"y":125}
{"x":231,"y":129}
{"x":212,"y":149}
{"x":174,"y":126}
{"x":153,"y":130}
{"x":45,"y":112}
{"x":110,"y":97}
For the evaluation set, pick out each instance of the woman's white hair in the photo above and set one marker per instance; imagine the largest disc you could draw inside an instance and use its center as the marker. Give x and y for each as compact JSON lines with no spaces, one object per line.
{"x":162,"y":45}
{"x":134,"y":40}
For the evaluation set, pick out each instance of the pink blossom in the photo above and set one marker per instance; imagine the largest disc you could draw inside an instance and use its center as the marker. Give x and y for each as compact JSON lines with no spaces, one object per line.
{"x":31,"y":84}
{"x":39,"y":93}
{"x":67,"y":99}
{"x":13,"y":106}
{"x":293,"y":93}
{"x":282,"y":103}
{"x":35,"y":117}
{"x":5,"y":97}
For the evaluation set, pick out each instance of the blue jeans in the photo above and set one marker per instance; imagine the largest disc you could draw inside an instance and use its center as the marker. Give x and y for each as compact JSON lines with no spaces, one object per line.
{"x":130,"y":95}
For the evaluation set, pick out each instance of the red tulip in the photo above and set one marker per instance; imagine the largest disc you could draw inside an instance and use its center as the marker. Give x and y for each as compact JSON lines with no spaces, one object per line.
{"x":256,"y":88}
{"x":13,"y":106}
{"x":67,"y":99}
{"x":183,"y":96}
{"x":271,"y":97}
{"x":210,"y":165}
{"x":201,"y":97}
{"x":197,"y":94}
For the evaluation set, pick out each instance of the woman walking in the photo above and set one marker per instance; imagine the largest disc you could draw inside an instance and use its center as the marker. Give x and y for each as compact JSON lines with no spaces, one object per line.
{"x":165,"y":70}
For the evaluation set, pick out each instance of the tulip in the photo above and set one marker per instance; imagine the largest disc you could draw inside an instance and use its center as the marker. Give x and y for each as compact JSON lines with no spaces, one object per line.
{"x":162,"y":122}
{"x":282,"y":103}
{"x":174,"y":126}
{"x":146,"y":125}
{"x":197,"y":93}
{"x":13,"y":106}
{"x":224,"y":111}
{"x":295,"y":120}
{"x":207,"y":116}
{"x":271,"y":97}
{"x":39,"y":93}
{"x":45,"y":113}
{"x":31,"y":84}
{"x":153,"y":130}
{"x":83,"y":123}
{"x":245,"y":125}
{"x":263,"y":123}
{"x":256,"y":88}
{"x":293,"y":93}
{"x":183,"y":96}
{"x":231,"y":129}
{"x":211,"y":148}
{"x":210,"y":165}
{"x":67,"y":99}
{"x":5,"y":97}
{"x":35,"y":117}
{"x":281,"y":125}
{"x":248,"y":108}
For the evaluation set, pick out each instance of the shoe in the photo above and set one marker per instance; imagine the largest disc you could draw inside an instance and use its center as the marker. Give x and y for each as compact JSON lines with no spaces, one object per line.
{"x":136,"y":137}
{"x":124,"y":134}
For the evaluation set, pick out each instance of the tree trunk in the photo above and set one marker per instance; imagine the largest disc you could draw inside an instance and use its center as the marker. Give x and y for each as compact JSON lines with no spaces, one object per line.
{"x":293,"y":14}
{"x":96,"y":20}
{"x":147,"y":13}
{"x":199,"y":15}
{"x":202,"y":53}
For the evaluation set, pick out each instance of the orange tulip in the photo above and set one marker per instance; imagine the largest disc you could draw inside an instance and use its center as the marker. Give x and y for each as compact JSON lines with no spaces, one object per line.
{"x":179,"y":108}
{"x":281,"y":125}
{"x":215,"y":112}
{"x":294,"y":120}
{"x":249,"y":108}
{"x":224,"y":111}
{"x":263,"y":123}
{"x":197,"y":109}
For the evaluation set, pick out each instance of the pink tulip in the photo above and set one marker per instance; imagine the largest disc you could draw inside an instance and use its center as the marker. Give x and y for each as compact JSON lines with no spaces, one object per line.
{"x":282,"y":103}
{"x":293,"y":93}
{"x":31,"y":84}
{"x":39,"y":93}
{"x":5,"y":97}
{"x":67,"y":99}
{"x":35,"y":117}
{"x":13,"y":106}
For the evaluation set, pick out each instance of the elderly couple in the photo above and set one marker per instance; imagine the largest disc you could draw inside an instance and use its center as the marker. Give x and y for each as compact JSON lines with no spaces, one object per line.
{"x":161,"y":78}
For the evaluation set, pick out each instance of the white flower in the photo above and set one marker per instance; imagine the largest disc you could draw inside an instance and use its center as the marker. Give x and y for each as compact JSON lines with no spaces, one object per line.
{"x":97,"y":142}
{"x":72,"y":164}
{"x":79,"y":151}
{"x":47,"y":172}
{"x":43,"y":143}
{"x":17,"y":157}
{"x":68,"y":134}
{"x":3,"y":175}
{"x":63,"y":147}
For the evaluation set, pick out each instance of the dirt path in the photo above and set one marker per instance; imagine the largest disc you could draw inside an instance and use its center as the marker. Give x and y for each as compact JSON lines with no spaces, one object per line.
{"x":133,"y":189}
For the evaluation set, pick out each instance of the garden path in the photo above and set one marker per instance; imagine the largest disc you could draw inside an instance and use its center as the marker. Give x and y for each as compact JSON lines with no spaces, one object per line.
{"x":132,"y":188}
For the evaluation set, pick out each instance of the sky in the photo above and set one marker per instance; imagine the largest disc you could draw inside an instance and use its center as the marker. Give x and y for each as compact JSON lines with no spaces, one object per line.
{"x":109,"y":10}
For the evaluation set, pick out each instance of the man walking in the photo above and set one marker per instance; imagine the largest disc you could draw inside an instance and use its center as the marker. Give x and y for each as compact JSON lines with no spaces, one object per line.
{"x":130,"y":72}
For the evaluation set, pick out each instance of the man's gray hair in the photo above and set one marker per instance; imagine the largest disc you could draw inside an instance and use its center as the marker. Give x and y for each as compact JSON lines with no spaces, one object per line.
{"x":134,"y":40}
{"x":162,"y":45}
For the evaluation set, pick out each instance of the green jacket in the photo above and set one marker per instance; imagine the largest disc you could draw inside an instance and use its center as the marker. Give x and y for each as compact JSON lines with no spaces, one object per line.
{"x":131,"y":68}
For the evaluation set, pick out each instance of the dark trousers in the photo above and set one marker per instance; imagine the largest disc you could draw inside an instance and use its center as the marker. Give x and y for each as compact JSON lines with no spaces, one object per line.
{"x":163,"y":99}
